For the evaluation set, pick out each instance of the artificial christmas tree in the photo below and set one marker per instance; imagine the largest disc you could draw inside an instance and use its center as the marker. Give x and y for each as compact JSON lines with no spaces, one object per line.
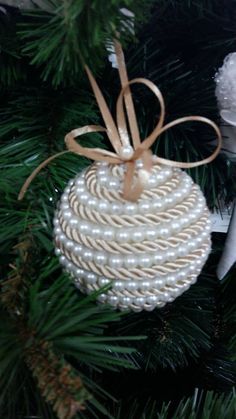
{"x":61,"y":354}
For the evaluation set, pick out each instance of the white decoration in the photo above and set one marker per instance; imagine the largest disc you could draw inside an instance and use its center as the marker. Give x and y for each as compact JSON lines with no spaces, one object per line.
{"x":226,"y":87}
{"x":226,"y":96}
{"x":150,"y":251}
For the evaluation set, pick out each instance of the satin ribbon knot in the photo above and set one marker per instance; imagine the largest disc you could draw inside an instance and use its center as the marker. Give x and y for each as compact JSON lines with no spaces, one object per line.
{"x":125,"y":152}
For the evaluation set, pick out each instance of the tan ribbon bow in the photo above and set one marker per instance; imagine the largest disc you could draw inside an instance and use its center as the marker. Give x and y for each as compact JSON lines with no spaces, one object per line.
{"x":119,"y":137}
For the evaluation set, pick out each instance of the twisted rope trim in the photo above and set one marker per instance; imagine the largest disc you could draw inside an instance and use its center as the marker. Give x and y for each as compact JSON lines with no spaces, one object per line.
{"x":136,"y":273}
{"x":133,"y":247}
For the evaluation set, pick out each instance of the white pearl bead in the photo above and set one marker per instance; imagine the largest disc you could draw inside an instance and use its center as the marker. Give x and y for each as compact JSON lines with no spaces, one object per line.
{"x":114,"y":184}
{"x":139,"y":301}
{"x":79,"y":190}
{"x":184,"y":221}
{"x":182,"y":274}
{"x":96,"y":232}
{"x":170,"y":200}
{"x":80,"y":272}
{"x":115,"y":262}
{"x":130,"y":261}
{"x":67,"y":190}
{"x":125,"y":300}
{"x":158,"y":205}
{"x":90,"y":277}
{"x":131,"y":285}
{"x":78,"y":249}
{"x":170,"y":255}
{"x":159,"y":283}
{"x":84,"y":197}
{"x":171,"y":279}
{"x":116,"y":208}
{"x":84,"y":227}
{"x":62,"y":260}
{"x":57,"y":230}
{"x":176,"y":227}
{"x":62,"y":238}
{"x":165,"y":296}
{"x":64,"y":206}
{"x":92,"y":202}
{"x":145,"y":285}
{"x":144,"y":176}
{"x":158,"y":258}
{"x":151,"y":234}
{"x":102,"y":281}
{"x":137,"y":234}
{"x":144,"y":206}
{"x":152,"y":181}
{"x":108,"y":233}
{"x":177,"y":195}
{"x":145,"y":261}
{"x":126,"y":152}
{"x":67,"y":214}
{"x":73,"y":221}
{"x":57,"y":252}
{"x":112,"y":300}
{"x":164,"y":232}
{"x":182,"y":249}
{"x":118,"y":285}
{"x":100,"y":258}
{"x":103,"y":206}
{"x":192,"y":268}
{"x":191,"y":245}
{"x":102,"y":298}
{"x":152,"y":299}
{"x":122,"y":235}
{"x":130,"y":209}
{"x":69,"y":244}
{"x":79,"y":181}
{"x":102,"y":171}
{"x":160,"y":177}
{"x":87,"y":255}
{"x":64,"y":197}
{"x":103,"y":180}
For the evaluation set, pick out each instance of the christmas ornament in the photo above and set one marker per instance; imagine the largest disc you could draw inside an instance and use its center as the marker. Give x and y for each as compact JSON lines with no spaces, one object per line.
{"x":226,"y":89}
{"x":131,"y":220}
{"x":151,"y":250}
{"x":226,"y":98}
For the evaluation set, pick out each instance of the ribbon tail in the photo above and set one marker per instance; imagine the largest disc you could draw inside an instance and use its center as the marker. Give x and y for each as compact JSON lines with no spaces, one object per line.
{"x":129,"y":193}
{"x":112,"y":132}
{"x":35,"y":172}
{"x":133,"y":125}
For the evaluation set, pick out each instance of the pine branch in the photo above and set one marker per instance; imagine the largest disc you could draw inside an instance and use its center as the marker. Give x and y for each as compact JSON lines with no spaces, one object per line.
{"x":44,"y":326}
{"x":75,"y":32}
{"x":204,"y":405}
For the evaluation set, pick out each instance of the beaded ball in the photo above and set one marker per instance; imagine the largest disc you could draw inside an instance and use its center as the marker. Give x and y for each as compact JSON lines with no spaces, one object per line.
{"x":149,"y":251}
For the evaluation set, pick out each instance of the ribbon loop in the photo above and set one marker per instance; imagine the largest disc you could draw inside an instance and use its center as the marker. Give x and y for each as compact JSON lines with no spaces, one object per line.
{"x":119,"y":136}
{"x":121,"y":121}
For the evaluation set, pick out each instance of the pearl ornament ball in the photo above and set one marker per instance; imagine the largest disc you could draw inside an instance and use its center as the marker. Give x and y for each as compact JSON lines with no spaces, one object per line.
{"x":149,"y":251}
